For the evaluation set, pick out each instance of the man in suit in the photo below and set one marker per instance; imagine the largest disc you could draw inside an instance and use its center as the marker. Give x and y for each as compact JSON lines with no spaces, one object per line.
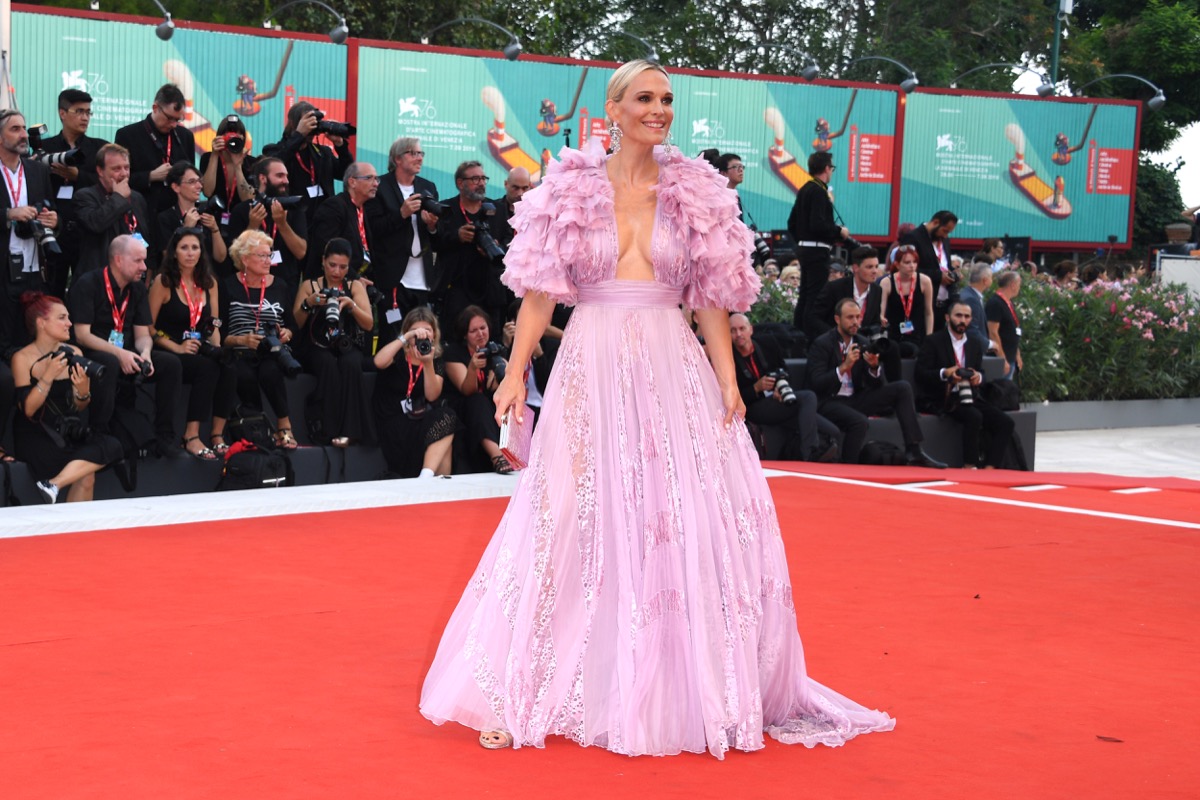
{"x":471,"y":276}
{"x":979,"y":279}
{"x":932,"y":241}
{"x":756,"y":363}
{"x":949,"y":373}
{"x":75,"y":112}
{"x":108,"y":210}
{"x":403,"y":236}
{"x":154,"y":144}
{"x":516,"y":185}
{"x":812,"y":226}
{"x":850,"y":386}
{"x":344,"y":216}
{"x":859,"y":284}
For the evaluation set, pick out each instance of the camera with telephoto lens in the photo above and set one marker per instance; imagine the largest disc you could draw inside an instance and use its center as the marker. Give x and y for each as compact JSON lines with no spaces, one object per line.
{"x":265,"y":200}
{"x":67,"y":158}
{"x":330,"y":128}
{"x":495,"y":362}
{"x":851,"y":244}
{"x":483,"y":234}
{"x":782,"y":385}
{"x":878,"y":342}
{"x":72,"y":429}
{"x":433,"y":206}
{"x":962,"y":388}
{"x":93,"y":369}
{"x":34,"y":229}
{"x":762,"y":248}
{"x":327,"y":325}
{"x":271,"y":346}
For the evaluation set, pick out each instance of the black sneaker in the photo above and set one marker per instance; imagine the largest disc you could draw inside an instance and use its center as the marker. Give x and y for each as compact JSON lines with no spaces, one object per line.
{"x":48,"y":491}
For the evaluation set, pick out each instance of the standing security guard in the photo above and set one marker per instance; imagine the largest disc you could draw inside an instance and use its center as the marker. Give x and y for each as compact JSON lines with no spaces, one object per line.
{"x":815,"y":232}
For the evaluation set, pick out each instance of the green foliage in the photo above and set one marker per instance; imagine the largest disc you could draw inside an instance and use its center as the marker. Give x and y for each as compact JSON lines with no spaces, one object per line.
{"x":1156,"y":204}
{"x":1118,"y":341}
{"x":776,"y":303}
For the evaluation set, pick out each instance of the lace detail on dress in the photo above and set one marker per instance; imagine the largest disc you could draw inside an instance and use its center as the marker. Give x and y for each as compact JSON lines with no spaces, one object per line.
{"x":757,"y":517}
{"x":668,"y":601}
{"x":504,"y":577}
{"x":778,"y":591}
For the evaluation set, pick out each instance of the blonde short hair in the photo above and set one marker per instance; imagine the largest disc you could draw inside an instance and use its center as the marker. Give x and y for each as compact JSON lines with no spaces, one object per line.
{"x":244,"y":241}
{"x":625,"y":74}
{"x":788,"y":272}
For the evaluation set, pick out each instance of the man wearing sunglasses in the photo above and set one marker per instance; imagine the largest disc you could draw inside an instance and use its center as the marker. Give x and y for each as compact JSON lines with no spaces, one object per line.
{"x":155,"y":143}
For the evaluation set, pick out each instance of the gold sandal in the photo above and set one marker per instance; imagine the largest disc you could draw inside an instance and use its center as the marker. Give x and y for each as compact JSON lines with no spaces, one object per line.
{"x":495,"y":740}
{"x":284,"y":439}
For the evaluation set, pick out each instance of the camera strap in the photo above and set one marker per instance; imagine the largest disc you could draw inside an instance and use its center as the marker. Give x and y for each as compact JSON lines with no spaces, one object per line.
{"x":413,"y":377}
{"x":230,"y":186}
{"x":310,"y":169}
{"x":151,"y":133}
{"x":362,"y":234}
{"x":16,"y":193}
{"x":906,"y":302}
{"x":118,"y":315}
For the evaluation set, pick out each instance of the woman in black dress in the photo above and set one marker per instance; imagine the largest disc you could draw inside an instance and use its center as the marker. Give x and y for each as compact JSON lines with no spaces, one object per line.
{"x":906,"y":308}
{"x":185,"y":181}
{"x":416,"y":427}
{"x":254,"y":310}
{"x":471,"y":366}
{"x":50,"y":430}
{"x":331,"y":347}
{"x":183,"y":305}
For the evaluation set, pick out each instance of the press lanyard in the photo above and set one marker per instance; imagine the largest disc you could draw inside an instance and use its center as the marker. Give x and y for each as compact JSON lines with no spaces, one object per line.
{"x":1011,"y":310}
{"x":395,"y":303}
{"x":753,"y":365}
{"x":413,"y":376}
{"x":195,"y":310}
{"x":362,"y":233}
{"x":117,"y":316}
{"x":907,"y":302}
{"x":262,"y":293}
{"x":14,"y":193}
{"x":230,"y":187}
{"x":150,"y":131}
{"x":311,"y":169}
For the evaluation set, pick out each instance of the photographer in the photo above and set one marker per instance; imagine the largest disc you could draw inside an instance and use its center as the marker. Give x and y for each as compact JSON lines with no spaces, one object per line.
{"x":50,"y":432}
{"x":906,"y":305}
{"x":184,"y":181}
{"x":155,"y":144}
{"x":111,"y":310}
{"x":770,"y":400}
{"x":475,"y":368}
{"x":405,"y":270}
{"x":471,"y":258}
{"x":516,"y":185}
{"x":254,"y":312}
{"x":75,"y":113}
{"x":225,"y":170}
{"x":311,"y":167}
{"x":850,"y":386}
{"x":183,"y":304}
{"x":812,"y":226}
{"x":416,"y":427}
{"x":280,"y":215}
{"x":28,"y":221}
{"x":109,"y":210}
{"x":334,"y":317}
{"x":949,"y":374}
{"x":344,"y":216}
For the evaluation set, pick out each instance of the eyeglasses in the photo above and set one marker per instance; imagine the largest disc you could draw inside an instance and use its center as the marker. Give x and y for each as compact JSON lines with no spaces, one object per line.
{"x":80,"y":112}
{"x":733,"y":167}
{"x":170,"y":118}
{"x":191,"y":181}
{"x":371,"y":178}
{"x":257,"y":255}
{"x":476,"y":179}
{"x":415,"y":153}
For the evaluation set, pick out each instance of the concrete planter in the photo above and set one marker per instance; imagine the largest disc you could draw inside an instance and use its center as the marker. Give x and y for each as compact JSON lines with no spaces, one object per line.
{"x":1069,"y":416}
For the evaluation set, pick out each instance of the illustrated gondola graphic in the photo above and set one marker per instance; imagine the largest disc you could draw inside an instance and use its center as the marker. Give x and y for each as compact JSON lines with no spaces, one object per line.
{"x":249,"y":99}
{"x":783,"y":163}
{"x":549,"y":124}
{"x":824,"y":140}
{"x":1050,"y":200}
{"x":1062,"y":145}
{"x":503,"y":146}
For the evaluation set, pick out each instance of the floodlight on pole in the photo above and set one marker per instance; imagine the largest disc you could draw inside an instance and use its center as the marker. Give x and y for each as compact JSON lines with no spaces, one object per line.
{"x":511,"y":50}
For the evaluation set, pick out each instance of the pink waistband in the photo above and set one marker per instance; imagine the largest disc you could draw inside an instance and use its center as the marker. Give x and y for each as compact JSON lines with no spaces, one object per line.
{"x":631,"y":294}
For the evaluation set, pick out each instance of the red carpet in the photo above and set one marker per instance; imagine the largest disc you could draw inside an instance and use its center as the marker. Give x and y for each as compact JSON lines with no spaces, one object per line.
{"x":283,"y":658}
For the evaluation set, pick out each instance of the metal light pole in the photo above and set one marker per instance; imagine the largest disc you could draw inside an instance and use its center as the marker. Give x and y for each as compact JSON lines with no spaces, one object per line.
{"x":1065,"y":9}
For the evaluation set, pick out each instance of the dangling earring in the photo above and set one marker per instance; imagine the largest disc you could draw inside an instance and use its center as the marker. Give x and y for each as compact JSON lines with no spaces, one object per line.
{"x":614,"y":137}
{"x":667,"y":143}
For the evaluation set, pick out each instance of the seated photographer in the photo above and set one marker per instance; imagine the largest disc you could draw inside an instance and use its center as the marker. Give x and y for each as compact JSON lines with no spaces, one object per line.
{"x":278,"y":214}
{"x":50,"y":431}
{"x":763,"y":382}
{"x":254,"y":313}
{"x":475,"y":368}
{"x":906,"y":304}
{"x":183,"y":303}
{"x":850,"y":386}
{"x":111,"y":310}
{"x":334,"y":317}
{"x":949,"y":374}
{"x":225,"y":170}
{"x":416,"y":426}
{"x":184,"y":180}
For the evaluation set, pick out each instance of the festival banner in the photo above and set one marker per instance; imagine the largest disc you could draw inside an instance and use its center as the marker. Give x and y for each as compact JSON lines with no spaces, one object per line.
{"x":1058,"y":171}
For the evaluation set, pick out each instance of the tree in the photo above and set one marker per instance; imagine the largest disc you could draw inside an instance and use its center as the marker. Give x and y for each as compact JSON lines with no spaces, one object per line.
{"x":1157,"y":203}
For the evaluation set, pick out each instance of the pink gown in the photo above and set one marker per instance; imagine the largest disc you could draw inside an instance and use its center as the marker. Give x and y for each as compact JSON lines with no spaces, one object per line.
{"x":636,"y":594}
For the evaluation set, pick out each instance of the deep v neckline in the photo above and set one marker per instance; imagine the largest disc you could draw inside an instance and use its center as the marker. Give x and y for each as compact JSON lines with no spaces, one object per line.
{"x":656,"y":219}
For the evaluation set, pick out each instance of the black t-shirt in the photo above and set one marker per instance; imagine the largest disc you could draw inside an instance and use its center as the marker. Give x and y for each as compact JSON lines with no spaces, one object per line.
{"x":89,"y":305}
{"x":288,"y":268}
{"x":997,"y":310}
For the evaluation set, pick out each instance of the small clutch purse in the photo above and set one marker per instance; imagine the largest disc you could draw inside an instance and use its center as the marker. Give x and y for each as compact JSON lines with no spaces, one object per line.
{"x":516,"y":437}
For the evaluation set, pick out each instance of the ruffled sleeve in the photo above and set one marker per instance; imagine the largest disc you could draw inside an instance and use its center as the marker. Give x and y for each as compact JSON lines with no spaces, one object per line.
{"x":552,"y":223}
{"x":718,"y":244}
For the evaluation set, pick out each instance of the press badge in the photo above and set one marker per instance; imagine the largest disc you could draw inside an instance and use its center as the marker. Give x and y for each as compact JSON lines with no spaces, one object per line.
{"x":393,"y":316}
{"x":1018,"y":331}
{"x":225,"y":219}
{"x":906,"y":327}
{"x":117,"y":339}
{"x":141,"y":239}
{"x":276,"y":258}
{"x":66,"y":191}
{"x":315,"y":191}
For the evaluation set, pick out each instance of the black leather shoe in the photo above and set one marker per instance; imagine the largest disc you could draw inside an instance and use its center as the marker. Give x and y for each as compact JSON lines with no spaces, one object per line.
{"x":922,"y":459}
